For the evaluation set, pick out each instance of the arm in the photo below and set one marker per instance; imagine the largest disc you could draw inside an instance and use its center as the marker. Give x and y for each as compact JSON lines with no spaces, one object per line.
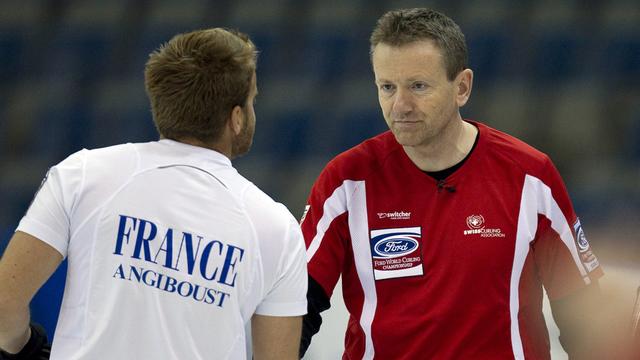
{"x":325,"y":215}
{"x":569,"y":271}
{"x":275,"y":337}
{"x":317,"y":301}
{"x":577,"y":318}
{"x":634,"y":350}
{"x":26,"y":264}
{"x":277,"y":320}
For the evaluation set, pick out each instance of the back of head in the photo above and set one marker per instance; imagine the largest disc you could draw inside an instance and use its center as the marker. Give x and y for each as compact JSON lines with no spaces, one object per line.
{"x":405,"y":26}
{"x":194,"y":81}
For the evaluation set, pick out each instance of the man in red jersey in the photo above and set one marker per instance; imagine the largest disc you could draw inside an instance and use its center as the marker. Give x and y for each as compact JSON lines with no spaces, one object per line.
{"x":445,"y":231}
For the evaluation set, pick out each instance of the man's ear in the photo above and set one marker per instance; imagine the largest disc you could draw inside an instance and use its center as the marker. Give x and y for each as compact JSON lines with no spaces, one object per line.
{"x":236,"y":121}
{"x":464,"y":83}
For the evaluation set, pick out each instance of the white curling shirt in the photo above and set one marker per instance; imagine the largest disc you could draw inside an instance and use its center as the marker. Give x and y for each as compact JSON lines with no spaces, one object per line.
{"x":170,"y":252}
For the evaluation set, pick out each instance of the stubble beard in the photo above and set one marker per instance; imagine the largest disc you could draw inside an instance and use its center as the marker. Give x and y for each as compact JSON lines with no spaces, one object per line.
{"x":428,"y":131}
{"x":418,"y":134}
{"x":242,"y":143}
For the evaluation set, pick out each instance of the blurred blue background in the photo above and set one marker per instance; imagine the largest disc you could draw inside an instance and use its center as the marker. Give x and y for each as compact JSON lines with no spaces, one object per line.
{"x":562,"y":75}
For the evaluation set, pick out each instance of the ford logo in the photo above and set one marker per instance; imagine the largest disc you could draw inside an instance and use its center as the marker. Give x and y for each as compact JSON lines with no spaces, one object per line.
{"x":395,"y":246}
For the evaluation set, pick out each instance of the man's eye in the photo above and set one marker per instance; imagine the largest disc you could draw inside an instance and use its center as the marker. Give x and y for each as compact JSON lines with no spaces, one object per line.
{"x":419,"y":86}
{"x":387,"y":87}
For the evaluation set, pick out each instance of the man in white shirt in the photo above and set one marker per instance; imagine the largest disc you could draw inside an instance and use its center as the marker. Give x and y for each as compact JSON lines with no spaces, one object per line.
{"x":171,"y":253}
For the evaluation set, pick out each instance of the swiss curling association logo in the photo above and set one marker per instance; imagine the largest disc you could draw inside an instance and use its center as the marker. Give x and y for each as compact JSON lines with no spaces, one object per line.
{"x":476,"y":226}
{"x":396,"y":252}
{"x":475,"y":221}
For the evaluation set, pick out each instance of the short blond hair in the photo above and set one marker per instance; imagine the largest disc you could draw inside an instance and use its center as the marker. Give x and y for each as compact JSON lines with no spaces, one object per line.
{"x":405,"y":26}
{"x":196,"y":79}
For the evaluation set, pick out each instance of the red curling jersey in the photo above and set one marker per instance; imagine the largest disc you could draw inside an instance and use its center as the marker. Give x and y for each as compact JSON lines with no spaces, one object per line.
{"x":446,"y":270}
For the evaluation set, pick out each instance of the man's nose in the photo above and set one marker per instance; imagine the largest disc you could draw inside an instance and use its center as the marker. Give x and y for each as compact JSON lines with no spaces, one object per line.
{"x":402,"y":103}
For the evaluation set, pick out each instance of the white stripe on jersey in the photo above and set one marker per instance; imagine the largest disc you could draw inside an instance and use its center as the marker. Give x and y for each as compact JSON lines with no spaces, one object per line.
{"x":359,"y":230}
{"x":335,"y":205}
{"x":534,"y":191}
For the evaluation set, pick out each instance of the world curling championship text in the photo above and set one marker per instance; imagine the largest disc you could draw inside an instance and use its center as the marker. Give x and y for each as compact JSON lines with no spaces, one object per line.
{"x":210,"y":260}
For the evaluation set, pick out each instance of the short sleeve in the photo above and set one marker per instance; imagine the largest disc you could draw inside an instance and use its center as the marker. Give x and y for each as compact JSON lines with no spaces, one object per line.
{"x":48,"y":216}
{"x":287,"y":297}
{"x":563,"y":256}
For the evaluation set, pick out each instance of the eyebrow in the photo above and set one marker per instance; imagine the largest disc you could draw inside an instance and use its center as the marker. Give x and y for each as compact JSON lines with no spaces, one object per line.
{"x":382,"y":80}
{"x":408,"y":81}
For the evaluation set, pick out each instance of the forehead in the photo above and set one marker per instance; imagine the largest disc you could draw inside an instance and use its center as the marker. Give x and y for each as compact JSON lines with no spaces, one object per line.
{"x":422,"y":57}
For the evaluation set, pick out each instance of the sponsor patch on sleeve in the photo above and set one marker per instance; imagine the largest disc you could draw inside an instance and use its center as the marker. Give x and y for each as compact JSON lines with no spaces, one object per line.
{"x":304,"y":214}
{"x":587,"y":257}
{"x":396,"y":253}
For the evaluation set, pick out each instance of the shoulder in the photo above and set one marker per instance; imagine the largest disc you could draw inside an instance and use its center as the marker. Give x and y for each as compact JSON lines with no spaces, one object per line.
{"x":103,"y":161}
{"x":271,"y":220}
{"x":264,"y":210}
{"x":100,"y":170}
{"x":277,"y":232}
{"x":114,"y":155}
{"x":363,"y":159}
{"x":513,"y":151}
{"x":77,"y":163}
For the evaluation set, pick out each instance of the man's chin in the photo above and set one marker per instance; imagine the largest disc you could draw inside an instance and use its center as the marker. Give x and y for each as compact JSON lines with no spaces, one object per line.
{"x":406,"y":138}
{"x":240,"y":151}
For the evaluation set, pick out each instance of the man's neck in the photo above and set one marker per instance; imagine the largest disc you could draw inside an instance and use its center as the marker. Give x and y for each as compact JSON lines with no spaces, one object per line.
{"x":450,"y":148}
{"x":216,"y":146}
